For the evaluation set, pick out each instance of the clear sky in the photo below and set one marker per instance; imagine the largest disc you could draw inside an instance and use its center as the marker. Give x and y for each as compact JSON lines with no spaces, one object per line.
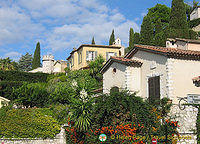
{"x":60,"y":25}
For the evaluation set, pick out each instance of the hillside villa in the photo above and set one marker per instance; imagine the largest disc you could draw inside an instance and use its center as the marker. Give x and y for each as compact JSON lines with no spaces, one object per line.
{"x":80,"y":57}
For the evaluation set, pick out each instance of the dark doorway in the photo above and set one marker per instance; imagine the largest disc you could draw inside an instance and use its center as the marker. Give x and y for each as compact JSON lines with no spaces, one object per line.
{"x":154,"y":89}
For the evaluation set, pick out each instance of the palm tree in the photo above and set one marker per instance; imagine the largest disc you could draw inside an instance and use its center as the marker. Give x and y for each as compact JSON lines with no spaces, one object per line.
{"x":7,"y":64}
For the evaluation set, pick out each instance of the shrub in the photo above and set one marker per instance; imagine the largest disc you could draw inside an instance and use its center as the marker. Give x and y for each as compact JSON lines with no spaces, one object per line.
{"x":27,"y":123}
{"x":194,"y":23}
{"x":33,"y":94}
{"x":23,"y":76}
{"x":6,"y":88}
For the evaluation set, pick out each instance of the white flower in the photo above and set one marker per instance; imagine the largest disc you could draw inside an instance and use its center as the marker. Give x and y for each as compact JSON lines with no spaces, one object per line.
{"x":83,"y":94}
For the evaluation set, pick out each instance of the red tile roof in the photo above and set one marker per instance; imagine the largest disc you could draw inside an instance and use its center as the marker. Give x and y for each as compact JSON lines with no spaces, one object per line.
{"x":196,"y":79}
{"x":169,"y":52}
{"x":125,"y":61}
{"x":94,"y":45}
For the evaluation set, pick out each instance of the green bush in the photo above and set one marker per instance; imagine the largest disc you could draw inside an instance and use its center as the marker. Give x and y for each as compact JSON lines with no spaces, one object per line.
{"x":6,"y":88}
{"x":27,"y":123}
{"x":23,"y":76}
{"x":31,"y":94}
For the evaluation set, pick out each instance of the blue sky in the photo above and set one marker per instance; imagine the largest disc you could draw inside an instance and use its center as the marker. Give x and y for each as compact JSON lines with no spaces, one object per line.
{"x":60,"y":25}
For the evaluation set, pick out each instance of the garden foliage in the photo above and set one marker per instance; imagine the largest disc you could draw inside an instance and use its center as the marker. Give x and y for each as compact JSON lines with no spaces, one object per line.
{"x":27,"y":123}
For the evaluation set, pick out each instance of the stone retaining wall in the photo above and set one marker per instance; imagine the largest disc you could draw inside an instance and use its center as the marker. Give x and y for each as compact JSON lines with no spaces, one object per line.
{"x":187,"y":120}
{"x":59,"y":139}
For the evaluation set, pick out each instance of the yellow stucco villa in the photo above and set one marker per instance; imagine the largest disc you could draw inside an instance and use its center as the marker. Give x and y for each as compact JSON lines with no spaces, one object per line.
{"x":80,"y":57}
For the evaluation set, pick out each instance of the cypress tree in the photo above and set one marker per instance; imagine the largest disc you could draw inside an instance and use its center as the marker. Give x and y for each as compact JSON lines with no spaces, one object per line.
{"x":93,"y":42}
{"x":112,"y":38}
{"x":147,"y":32}
{"x":36,"y":57}
{"x":178,"y":26}
{"x":136,"y":38}
{"x":131,"y":38}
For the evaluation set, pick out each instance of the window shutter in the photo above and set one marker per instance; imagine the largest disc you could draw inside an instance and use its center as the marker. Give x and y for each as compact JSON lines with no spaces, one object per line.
{"x":106,"y":56}
{"x":78,"y":58}
{"x":154,"y":88}
{"x":87,"y":55}
{"x":95,"y":54}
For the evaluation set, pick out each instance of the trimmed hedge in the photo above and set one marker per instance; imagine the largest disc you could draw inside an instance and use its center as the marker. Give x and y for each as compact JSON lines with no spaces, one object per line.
{"x":194,"y":23}
{"x":6,"y":88}
{"x":23,"y":76}
{"x":27,"y":123}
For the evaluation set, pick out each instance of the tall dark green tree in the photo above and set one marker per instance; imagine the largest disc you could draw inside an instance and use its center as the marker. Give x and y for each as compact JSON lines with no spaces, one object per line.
{"x":93,"y":42}
{"x":112,"y":38}
{"x":147,"y":31}
{"x":136,"y":38}
{"x":131,"y":41}
{"x":178,"y":26}
{"x":25,"y":62}
{"x":131,"y":38}
{"x":36,"y":57}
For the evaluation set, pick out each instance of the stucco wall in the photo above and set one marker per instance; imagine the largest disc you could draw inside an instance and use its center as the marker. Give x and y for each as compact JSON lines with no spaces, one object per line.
{"x":100,"y":51}
{"x":133,"y":79}
{"x":153,"y":65}
{"x":111,"y":79}
{"x":193,"y":46}
{"x":182,"y":45}
{"x":182,"y":72}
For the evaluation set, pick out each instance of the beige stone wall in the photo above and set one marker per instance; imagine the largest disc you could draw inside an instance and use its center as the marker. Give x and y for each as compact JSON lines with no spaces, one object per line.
{"x":100,"y":51}
{"x":133,"y":79}
{"x":182,"y":72}
{"x":153,"y":65}
{"x":3,"y":101}
{"x":57,"y":67}
{"x":111,"y":79}
{"x":193,"y":46}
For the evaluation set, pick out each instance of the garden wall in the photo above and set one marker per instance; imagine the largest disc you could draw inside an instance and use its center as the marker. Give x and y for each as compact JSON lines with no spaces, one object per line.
{"x":187,"y":120}
{"x":59,"y":139}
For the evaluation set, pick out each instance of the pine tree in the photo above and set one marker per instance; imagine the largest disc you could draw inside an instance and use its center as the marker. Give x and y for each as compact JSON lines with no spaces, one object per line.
{"x":131,"y":38}
{"x":93,"y":42}
{"x":25,"y":62}
{"x":147,"y":32}
{"x":36,"y":57}
{"x":112,"y":38}
{"x":136,"y":38}
{"x":178,"y":26}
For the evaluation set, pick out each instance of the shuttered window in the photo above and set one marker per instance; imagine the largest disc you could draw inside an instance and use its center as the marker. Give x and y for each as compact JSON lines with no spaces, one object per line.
{"x":154,"y":89}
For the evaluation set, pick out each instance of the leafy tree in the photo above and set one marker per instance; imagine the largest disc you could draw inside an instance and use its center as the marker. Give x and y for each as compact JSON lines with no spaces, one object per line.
{"x":36,"y":57}
{"x":147,"y":31}
{"x":178,"y":26}
{"x":158,"y":18}
{"x":95,"y":67}
{"x":8,"y":64}
{"x":93,"y":42}
{"x":136,"y":38}
{"x":112,"y":38}
{"x":161,"y":12}
{"x":25,"y":62}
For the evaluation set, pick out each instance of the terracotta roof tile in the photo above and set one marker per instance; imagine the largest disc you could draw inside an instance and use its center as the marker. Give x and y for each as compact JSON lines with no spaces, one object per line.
{"x":125,"y":61}
{"x":169,"y":52}
{"x":196,"y":79}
